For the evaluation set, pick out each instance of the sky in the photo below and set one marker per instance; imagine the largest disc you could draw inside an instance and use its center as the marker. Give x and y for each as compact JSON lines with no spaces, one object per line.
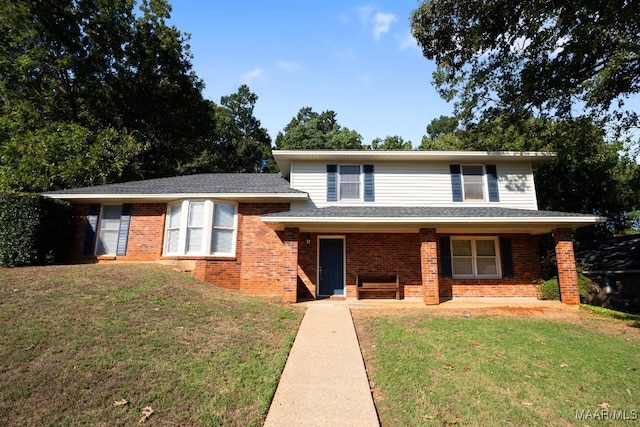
{"x":356,"y":58}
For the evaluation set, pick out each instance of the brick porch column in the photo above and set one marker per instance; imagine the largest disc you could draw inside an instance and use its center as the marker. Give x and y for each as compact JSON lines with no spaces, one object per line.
{"x":290,"y":272}
{"x":429,"y":266}
{"x":567,"y":274}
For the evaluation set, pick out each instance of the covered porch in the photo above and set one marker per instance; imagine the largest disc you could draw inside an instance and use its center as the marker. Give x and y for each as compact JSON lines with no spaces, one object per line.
{"x":337,"y":244}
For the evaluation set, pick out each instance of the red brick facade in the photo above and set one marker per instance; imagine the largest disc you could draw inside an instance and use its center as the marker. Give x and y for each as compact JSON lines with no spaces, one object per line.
{"x":285,"y":263}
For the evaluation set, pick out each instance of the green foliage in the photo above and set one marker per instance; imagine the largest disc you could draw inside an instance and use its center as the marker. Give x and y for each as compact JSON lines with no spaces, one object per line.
{"x":550,"y":289}
{"x":92,"y":93}
{"x":533,"y":57}
{"x":620,"y":315}
{"x":391,"y":143}
{"x":33,"y":229}
{"x":312,"y":131}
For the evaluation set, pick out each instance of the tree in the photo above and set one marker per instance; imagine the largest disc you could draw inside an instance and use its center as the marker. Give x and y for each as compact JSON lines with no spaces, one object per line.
{"x":251,"y":141}
{"x":92,"y":93}
{"x":533,"y":57}
{"x":309,"y":130}
{"x":391,"y":143}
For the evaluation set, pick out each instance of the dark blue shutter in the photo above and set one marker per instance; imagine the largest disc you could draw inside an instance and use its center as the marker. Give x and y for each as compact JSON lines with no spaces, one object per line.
{"x":369,"y":195}
{"x":123,"y":232}
{"x":444,"y":245}
{"x":506,"y":254}
{"x":332,"y":190}
{"x":492,"y":179}
{"x":456,"y":183}
{"x":90,"y":230}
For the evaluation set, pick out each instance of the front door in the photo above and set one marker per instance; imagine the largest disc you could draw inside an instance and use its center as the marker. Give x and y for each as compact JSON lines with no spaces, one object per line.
{"x":331,"y":267}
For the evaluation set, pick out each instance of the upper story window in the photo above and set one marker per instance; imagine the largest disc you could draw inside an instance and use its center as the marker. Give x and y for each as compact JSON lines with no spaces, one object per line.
{"x":350,"y":183}
{"x":474,"y":183}
{"x":200,"y":227}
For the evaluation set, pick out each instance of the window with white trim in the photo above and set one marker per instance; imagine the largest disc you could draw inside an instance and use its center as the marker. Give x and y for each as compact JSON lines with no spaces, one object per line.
{"x":475,"y":257}
{"x":201,"y":228}
{"x":349,"y":182}
{"x":108,"y":230}
{"x":473,"y":182}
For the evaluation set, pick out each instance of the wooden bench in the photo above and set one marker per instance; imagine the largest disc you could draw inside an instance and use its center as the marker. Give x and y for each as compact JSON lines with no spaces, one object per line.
{"x":377,"y":284}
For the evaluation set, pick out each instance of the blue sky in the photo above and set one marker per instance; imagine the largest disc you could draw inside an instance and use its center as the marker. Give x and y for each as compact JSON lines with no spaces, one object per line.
{"x":356,"y":58}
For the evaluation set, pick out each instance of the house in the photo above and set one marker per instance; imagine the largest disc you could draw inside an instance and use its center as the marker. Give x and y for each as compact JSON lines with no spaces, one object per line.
{"x":614,"y":262}
{"x":449,"y":224}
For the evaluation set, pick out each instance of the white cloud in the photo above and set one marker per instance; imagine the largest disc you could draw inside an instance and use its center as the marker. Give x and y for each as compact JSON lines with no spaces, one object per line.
{"x":289,"y":67}
{"x":364,"y":13}
{"x":382,"y":23}
{"x":253,"y":75}
{"x":408,"y":42}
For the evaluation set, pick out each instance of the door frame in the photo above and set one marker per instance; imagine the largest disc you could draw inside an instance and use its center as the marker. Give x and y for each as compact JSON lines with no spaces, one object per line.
{"x":344,"y":264}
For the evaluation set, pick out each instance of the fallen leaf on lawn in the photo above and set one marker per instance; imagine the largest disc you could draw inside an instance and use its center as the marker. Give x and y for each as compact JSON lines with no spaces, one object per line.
{"x":604,"y":405}
{"x":429,"y":417}
{"x":449,"y":367}
{"x":120,"y":402}
{"x":629,"y":391}
{"x":372,"y":385}
{"x":527,"y":403}
{"x":581,"y":388}
{"x":631,"y":369}
{"x":146,"y":413}
{"x":564,"y":365}
{"x":466,"y":368}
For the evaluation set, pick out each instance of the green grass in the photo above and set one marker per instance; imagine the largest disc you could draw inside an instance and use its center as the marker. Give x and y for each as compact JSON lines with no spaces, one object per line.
{"x":75,"y":339}
{"x":614,"y":314}
{"x":491,"y":370}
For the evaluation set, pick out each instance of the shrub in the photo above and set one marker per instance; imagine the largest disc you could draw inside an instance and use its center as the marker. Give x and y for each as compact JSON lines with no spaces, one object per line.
{"x":550,"y":289}
{"x":33,"y":229}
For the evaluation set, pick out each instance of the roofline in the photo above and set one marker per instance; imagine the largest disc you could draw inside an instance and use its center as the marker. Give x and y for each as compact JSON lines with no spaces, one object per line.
{"x":284,"y":157}
{"x":174,"y":196}
{"x":586,"y":220}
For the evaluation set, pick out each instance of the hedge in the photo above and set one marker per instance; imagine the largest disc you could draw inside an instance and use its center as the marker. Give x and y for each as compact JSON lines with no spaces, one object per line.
{"x":34,"y":230}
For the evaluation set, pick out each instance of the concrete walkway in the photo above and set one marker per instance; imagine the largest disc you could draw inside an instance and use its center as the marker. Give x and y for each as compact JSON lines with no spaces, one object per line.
{"x":324,"y":382}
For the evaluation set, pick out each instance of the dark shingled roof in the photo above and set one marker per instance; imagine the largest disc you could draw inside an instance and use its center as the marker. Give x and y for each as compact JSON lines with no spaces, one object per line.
{"x":266,"y":183}
{"x":614,"y":254}
{"x":421,"y":212}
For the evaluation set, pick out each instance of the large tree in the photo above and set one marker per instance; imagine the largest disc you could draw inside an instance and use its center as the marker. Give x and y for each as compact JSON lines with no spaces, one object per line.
{"x":92,"y":92}
{"x":309,"y":130}
{"x":534,"y":57}
{"x":394,"y":142}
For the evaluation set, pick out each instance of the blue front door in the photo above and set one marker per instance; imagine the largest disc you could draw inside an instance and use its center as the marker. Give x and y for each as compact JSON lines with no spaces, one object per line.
{"x":331,"y":267}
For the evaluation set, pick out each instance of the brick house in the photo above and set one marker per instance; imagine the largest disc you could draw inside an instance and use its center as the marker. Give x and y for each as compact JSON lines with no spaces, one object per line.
{"x":448,"y":224}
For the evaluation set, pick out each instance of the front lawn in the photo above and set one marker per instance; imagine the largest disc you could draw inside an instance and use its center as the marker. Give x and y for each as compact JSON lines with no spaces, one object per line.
{"x":77,"y":339}
{"x":496,"y":370}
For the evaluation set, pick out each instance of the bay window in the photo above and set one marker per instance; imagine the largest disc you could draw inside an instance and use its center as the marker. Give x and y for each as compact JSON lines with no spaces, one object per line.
{"x":200,"y":228}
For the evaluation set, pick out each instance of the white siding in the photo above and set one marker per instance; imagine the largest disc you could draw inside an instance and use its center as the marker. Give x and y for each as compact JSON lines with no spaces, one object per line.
{"x":417,"y":184}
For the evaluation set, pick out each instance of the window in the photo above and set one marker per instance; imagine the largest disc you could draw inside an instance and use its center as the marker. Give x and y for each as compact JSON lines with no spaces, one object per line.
{"x":108,"y":230}
{"x":475,"y":257}
{"x":473,"y":182}
{"x":186,"y":225}
{"x":349,"y":182}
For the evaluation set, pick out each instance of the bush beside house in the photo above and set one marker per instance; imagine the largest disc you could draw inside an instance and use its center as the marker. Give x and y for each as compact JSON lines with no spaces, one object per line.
{"x":33,"y":229}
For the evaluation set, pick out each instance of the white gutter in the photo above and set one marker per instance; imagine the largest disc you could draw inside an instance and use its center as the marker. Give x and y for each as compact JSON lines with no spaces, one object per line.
{"x":173,"y":196}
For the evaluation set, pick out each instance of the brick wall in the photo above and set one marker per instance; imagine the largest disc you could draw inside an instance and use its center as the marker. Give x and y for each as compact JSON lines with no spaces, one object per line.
{"x":146,"y":233}
{"x":382,"y":254}
{"x":526,"y":264}
{"x":567,"y":274}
